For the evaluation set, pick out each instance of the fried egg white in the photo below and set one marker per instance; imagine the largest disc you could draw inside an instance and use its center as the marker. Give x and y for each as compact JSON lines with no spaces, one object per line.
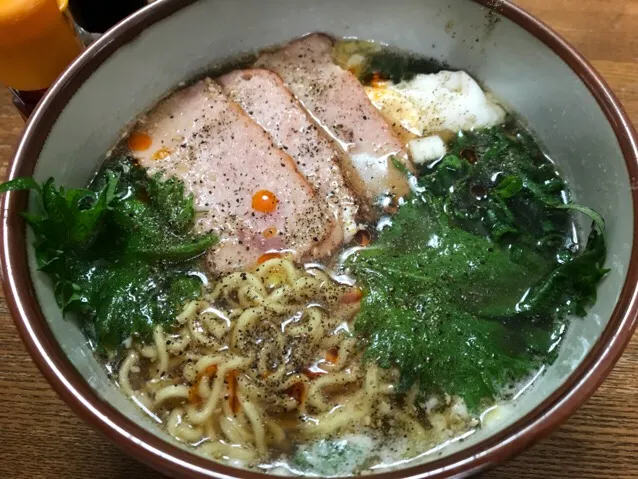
{"x":432,"y":103}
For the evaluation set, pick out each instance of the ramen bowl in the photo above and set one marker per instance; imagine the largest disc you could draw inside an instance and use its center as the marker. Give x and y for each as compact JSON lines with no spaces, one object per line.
{"x":528,"y":66}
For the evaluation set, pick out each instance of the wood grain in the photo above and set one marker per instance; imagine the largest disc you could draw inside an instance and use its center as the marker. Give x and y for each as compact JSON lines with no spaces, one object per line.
{"x":40,"y":438}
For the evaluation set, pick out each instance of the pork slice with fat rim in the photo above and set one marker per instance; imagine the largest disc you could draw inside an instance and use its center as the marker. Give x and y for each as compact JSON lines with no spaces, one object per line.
{"x":265,"y":98}
{"x":224,"y":159}
{"x":339,"y":103}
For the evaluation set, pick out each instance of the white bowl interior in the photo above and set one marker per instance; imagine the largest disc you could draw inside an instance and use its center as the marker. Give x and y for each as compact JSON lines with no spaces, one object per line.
{"x":523,"y":73}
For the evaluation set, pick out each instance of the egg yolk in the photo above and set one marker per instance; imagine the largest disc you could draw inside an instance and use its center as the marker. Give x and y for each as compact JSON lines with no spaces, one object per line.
{"x":264,"y":201}
{"x":139,"y":141}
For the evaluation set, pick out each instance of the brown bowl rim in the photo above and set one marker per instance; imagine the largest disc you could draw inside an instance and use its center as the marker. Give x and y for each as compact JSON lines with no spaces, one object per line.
{"x":177,"y":462}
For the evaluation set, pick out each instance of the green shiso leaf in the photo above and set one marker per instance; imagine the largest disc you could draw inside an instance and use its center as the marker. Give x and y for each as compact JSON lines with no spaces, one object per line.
{"x":120,"y":253}
{"x":468,"y":288}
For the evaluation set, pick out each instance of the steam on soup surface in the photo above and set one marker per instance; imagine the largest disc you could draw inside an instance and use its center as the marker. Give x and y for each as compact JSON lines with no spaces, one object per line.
{"x":329,"y":261}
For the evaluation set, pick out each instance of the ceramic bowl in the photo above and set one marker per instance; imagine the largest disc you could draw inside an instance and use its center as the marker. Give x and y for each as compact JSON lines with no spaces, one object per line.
{"x":530,"y":68}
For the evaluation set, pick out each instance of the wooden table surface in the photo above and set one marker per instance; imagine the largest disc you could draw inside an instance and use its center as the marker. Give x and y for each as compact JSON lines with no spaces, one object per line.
{"x":41,"y":438}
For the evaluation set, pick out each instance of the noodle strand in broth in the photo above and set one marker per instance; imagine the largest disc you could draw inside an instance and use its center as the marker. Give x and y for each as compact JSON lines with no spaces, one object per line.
{"x":264,"y":359}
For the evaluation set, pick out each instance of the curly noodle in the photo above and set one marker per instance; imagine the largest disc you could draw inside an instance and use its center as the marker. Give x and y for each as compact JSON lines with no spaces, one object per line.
{"x":265,"y":359}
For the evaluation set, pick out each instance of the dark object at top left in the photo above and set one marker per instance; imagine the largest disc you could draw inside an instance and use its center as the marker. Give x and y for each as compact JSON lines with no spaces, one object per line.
{"x":97,"y":16}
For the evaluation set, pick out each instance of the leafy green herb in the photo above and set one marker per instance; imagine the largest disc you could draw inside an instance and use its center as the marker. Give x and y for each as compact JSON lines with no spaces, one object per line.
{"x":119,"y":253}
{"x":467,"y":289}
{"x":509,"y":186}
{"x":19,"y":184}
{"x":571,"y":286}
{"x":499,"y":182}
{"x":594,"y":215}
{"x":426,"y":286}
{"x":169,"y":198}
{"x":132,"y":297}
{"x":146,"y":233}
{"x":379,"y":60}
{"x":397,"y":66}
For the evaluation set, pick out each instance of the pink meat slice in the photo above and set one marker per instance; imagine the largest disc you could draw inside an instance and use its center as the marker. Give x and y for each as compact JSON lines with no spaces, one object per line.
{"x":338,"y":101}
{"x":265,"y":98}
{"x":224,"y":158}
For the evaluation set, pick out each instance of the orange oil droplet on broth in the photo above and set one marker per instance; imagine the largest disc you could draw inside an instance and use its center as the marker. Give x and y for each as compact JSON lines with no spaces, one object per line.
{"x":270,"y":232}
{"x":266,"y":256}
{"x":353,"y":296}
{"x":391,"y":208}
{"x":362,"y":238}
{"x":139,"y":141}
{"x":161,"y":153}
{"x":264,"y":201}
{"x":298,"y":392}
{"x":469,"y":155}
{"x":332,"y":355}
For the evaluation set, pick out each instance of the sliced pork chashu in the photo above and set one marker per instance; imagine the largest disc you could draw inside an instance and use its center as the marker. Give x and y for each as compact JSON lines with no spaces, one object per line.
{"x":224,"y":159}
{"x":339,"y":102}
{"x":265,"y":98}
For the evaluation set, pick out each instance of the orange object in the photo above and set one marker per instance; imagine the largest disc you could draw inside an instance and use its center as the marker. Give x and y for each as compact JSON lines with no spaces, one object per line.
{"x":193,"y":394}
{"x":37,"y":41}
{"x":298,"y":392}
{"x":269,"y":232}
{"x":353,"y":296}
{"x":332,"y":355}
{"x":362,"y":238}
{"x":266,"y":256}
{"x":139,"y":141}
{"x":231,"y":380}
{"x":264,"y":201}
{"x":209,"y":372}
{"x":377,"y":81}
{"x":161,"y":153}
